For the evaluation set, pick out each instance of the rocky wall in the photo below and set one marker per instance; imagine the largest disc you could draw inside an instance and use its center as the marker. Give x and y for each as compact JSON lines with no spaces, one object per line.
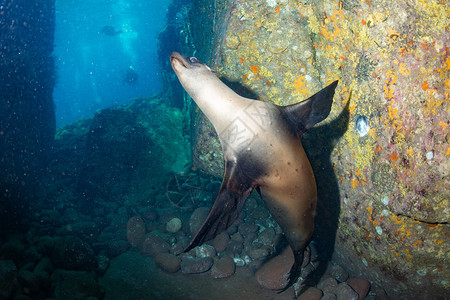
{"x":27,"y":119}
{"x":382,"y":157}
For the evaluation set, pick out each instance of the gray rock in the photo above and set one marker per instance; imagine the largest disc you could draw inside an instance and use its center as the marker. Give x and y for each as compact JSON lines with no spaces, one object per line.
{"x":246,"y":228}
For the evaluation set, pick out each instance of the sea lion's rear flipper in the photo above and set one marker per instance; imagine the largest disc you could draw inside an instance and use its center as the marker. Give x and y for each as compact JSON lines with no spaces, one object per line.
{"x":227,"y":206}
{"x":295,"y":271}
{"x":304,"y":115}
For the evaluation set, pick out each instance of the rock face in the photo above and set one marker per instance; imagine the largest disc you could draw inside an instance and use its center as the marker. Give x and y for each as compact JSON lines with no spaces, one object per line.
{"x":122,"y":150}
{"x":382,"y":157}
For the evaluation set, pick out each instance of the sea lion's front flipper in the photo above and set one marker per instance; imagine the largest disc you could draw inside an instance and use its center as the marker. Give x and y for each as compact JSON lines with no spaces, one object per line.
{"x":227,"y":206}
{"x":304,"y":115}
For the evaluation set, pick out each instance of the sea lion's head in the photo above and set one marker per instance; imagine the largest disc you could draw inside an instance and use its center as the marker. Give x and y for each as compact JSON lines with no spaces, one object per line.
{"x":192,"y":73}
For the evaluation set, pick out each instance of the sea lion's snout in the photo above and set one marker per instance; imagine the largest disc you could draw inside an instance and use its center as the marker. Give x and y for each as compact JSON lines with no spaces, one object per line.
{"x":177,"y":58}
{"x":186,"y":62}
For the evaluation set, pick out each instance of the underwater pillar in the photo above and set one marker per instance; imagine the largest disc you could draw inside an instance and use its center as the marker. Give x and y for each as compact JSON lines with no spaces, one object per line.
{"x":27,"y":118}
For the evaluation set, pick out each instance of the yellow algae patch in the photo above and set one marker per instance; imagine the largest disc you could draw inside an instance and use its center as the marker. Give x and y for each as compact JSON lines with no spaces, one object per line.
{"x":300,"y":85}
{"x":403,"y":69}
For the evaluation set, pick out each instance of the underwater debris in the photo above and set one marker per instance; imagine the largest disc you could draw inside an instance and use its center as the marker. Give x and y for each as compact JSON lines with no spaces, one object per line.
{"x":182,"y":192}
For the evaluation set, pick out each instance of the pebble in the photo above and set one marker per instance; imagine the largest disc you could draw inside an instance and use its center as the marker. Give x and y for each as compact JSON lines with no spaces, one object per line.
{"x":311,"y":293}
{"x":149,"y":213}
{"x":235,"y":247}
{"x":72,"y":253}
{"x":272,"y":274}
{"x":338,"y":272}
{"x":221,"y":241}
{"x":359,"y":285}
{"x":246,"y":228}
{"x":328,"y":284}
{"x":153,"y":245}
{"x":205,"y":251}
{"x":102,"y":263}
{"x":29,"y":281}
{"x":237,"y":237}
{"x":136,"y":231}
{"x":232,"y":229}
{"x":224,"y":267}
{"x":259,"y":253}
{"x":328,"y":297}
{"x":174,"y":225}
{"x":267,"y":236}
{"x":196,"y":265}
{"x":345,"y":292}
{"x":168,"y":262}
{"x":113,"y":248}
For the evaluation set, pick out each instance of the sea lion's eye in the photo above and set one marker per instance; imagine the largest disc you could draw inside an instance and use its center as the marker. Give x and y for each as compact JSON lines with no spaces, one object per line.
{"x":193,"y":59}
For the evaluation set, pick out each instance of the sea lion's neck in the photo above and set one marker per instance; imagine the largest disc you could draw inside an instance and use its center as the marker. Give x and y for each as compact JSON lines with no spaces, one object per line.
{"x":218,"y":102}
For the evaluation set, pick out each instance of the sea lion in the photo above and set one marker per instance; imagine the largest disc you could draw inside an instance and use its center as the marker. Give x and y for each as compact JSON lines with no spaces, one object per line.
{"x":263,"y":151}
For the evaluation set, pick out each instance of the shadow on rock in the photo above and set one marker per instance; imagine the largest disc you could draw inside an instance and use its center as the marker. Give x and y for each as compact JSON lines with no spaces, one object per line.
{"x":319,"y":143}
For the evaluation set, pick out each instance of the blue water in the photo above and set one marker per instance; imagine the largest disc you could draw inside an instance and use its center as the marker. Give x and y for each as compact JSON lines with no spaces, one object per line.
{"x":91,"y":66}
